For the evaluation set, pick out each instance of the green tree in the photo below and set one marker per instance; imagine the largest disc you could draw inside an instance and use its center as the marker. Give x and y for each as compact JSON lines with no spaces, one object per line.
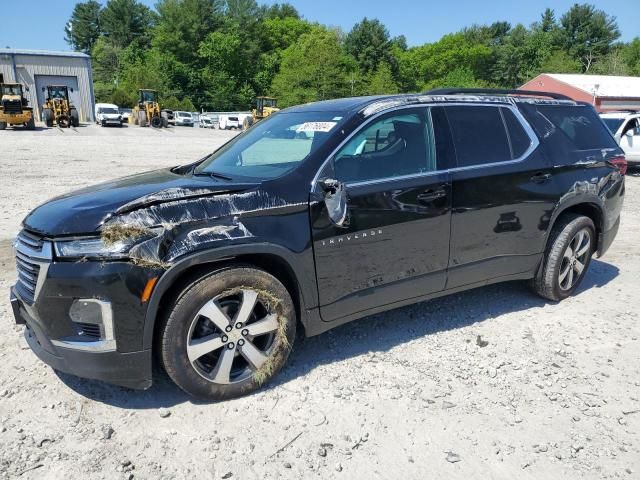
{"x":631,"y":55}
{"x":559,"y":61}
{"x":369,"y":43}
{"x":587,"y":33}
{"x":124,"y":21}
{"x":83,"y":28}
{"x":381,"y":81}
{"x":281,"y":10}
{"x":183,"y":24}
{"x":314,"y":68}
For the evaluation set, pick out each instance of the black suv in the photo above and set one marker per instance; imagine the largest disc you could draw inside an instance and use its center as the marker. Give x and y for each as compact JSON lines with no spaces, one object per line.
{"x":316,"y":216}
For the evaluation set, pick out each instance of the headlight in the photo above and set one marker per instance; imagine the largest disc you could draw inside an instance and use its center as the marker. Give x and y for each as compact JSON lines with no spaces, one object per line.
{"x":96,"y":247}
{"x":93,"y":247}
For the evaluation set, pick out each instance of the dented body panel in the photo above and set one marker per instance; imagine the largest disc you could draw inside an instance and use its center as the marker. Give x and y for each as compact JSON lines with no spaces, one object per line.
{"x":343,"y":250}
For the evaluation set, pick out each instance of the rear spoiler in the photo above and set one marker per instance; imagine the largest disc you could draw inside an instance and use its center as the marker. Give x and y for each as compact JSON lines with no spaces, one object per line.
{"x":496,"y":91}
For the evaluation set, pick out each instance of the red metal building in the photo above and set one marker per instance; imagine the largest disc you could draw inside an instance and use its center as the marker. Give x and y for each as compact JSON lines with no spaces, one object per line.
{"x":604,"y":92}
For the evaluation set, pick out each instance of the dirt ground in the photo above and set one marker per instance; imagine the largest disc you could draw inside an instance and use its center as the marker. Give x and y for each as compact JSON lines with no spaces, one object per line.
{"x":494,"y":383}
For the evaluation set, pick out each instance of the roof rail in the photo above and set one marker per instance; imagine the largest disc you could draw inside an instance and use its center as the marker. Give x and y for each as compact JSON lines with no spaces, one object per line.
{"x":496,"y":91}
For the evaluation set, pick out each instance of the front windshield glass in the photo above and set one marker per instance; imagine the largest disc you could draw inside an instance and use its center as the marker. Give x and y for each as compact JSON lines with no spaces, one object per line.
{"x":109,"y":110}
{"x":148,"y":96}
{"x":12,"y":90}
{"x":613,"y":124}
{"x":58,"y":92}
{"x":273,"y":146}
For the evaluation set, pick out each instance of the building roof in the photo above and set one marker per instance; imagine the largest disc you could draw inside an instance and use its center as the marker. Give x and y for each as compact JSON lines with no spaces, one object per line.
{"x":43,"y":53}
{"x":601,"y":85}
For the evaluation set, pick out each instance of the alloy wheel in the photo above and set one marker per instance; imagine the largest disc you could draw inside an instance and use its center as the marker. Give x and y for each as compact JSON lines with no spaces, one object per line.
{"x":232,"y":336}
{"x":575,"y":258}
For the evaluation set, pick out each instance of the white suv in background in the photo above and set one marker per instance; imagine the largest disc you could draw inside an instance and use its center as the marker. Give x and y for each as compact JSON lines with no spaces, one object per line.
{"x":625,"y":127}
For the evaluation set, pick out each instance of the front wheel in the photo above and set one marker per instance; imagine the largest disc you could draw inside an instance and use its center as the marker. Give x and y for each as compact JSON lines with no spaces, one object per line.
{"x":228,"y":333}
{"x":567,"y":258}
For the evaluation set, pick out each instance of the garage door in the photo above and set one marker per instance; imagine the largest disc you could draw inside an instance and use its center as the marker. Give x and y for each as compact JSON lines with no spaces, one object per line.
{"x":43,"y":80}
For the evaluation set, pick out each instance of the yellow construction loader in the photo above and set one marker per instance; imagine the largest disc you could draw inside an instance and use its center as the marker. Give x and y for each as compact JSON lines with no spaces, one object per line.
{"x":14,"y":107}
{"x":58,"y":109}
{"x":265,"y":106}
{"x":147,"y":111}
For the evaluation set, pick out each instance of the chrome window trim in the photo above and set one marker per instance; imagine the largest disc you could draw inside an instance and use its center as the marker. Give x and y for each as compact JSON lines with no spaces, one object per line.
{"x":535,"y":142}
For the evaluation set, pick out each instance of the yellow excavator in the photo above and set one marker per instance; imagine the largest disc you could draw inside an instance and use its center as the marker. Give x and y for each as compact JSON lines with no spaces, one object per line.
{"x":147,"y":111}
{"x":58,"y":109}
{"x":265,"y":106}
{"x":14,"y":107}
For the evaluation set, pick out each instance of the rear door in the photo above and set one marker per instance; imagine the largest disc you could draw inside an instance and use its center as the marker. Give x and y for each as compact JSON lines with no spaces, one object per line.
{"x":395,"y":243}
{"x":630,"y":140}
{"x":503,"y":194}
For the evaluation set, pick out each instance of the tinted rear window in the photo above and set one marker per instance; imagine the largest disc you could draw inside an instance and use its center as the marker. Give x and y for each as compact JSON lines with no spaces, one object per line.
{"x":478,"y":134}
{"x":580,"y":124}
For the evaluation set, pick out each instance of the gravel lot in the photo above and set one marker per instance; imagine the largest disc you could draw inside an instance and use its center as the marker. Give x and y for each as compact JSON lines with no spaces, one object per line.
{"x":493,"y":383}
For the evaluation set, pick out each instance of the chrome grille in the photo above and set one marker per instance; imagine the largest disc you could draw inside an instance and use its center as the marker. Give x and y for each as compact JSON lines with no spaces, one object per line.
{"x":33,"y":256}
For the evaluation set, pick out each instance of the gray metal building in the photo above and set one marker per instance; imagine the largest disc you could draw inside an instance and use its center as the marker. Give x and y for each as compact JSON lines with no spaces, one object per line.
{"x":38,"y":68}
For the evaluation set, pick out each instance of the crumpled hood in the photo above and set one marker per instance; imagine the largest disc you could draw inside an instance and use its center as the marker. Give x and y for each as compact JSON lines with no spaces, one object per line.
{"x":84,"y":211}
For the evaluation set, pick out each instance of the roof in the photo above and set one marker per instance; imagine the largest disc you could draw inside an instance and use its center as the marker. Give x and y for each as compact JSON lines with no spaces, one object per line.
{"x":41,"y":53}
{"x":374,"y":104}
{"x":601,"y":85}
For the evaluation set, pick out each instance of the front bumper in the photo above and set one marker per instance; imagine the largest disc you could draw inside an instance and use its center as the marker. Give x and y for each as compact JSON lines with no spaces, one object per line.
{"x":52,"y":333}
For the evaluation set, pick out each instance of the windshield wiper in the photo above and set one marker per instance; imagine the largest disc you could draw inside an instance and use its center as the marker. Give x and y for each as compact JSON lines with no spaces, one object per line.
{"x":213,"y":175}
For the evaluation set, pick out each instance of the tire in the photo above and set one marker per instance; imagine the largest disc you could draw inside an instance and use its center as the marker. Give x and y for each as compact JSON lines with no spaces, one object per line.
{"x":156,"y":122}
{"x":165,"y":122}
{"x":63,"y":121}
{"x":47,"y":117}
{"x":230,"y":290}
{"x":142,"y":118}
{"x":74,"y":118}
{"x":3,"y":125}
{"x":31,"y":124}
{"x":560,"y":273}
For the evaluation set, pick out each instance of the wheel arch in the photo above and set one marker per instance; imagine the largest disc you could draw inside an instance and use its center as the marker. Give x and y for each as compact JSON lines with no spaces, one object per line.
{"x":277,"y":261}
{"x":591,"y":208}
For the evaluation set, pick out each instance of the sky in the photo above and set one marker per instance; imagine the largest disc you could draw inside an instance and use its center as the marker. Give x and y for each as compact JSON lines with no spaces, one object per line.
{"x":39,"y":24}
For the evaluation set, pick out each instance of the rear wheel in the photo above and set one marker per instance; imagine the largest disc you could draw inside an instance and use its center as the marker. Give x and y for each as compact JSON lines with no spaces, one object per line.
{"x":3,"y":125}
{"x":142,"y":119}
{"x":74,"y":118}
{"x":47,"y":117}
{"x":31,"y":124}
{"x":567,"y":258}
{"x":228,"y":333}
{"x":165,"y":122}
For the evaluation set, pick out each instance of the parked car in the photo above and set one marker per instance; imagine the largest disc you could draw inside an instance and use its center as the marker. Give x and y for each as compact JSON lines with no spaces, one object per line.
{"x":108,"y":114}
{"x":625,"y":127}
{"x":206,"y":122}
{"x":168,"y":114}
{"x":184,"y":119}
{"x":229,"y":121}
{"x":126,"y":114}
{"x":211,"y":267}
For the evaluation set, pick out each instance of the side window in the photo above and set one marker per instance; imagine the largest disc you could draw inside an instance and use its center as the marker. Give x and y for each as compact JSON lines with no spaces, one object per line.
{"x":519,"y":139}
{"x":478,"y":134}
{"x":580,"y":125}
{"x":633,"y":126}
{"x":394,"y":145}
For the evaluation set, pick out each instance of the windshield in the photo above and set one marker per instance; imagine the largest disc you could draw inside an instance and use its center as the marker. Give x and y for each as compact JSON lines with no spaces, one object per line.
{"x":613,"y":124}
{"x":11,"y":90}
{"x":273,"y":146}
{"x":58,"y":92}
{"x":184,"y":114}
{"x":148,"y":96}
{"x":108,"y":110}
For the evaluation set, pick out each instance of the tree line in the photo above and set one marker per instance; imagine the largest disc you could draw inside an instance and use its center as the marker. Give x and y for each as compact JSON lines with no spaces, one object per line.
{"x":220,"y":54}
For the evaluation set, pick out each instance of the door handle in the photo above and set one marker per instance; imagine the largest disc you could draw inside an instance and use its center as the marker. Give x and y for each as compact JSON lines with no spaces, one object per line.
{"x":540,"y":177}
{"x":431,"y":194}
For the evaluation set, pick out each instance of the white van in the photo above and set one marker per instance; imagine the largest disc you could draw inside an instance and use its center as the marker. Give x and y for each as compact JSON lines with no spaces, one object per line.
{"x":108,"y":114}
{"x":183,"y":118}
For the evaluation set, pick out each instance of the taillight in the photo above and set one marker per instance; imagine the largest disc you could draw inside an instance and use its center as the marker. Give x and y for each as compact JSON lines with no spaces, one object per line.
{"x":620,"y":163}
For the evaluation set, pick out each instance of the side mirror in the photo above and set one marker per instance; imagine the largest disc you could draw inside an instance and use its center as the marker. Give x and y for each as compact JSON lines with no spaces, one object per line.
{"x":71,"y":90}
{"x":26,"y":89}
{"x":335,"y":198}
{"x":629,"y":133}
{"x":44,"y":89}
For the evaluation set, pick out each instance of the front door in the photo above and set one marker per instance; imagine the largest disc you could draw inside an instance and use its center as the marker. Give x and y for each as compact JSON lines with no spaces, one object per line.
{"x":630,"y":140}
{"x":394,"y":243}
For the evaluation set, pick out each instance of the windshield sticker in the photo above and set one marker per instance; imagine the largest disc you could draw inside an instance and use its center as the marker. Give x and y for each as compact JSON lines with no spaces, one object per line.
{"x":316,"y":127}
